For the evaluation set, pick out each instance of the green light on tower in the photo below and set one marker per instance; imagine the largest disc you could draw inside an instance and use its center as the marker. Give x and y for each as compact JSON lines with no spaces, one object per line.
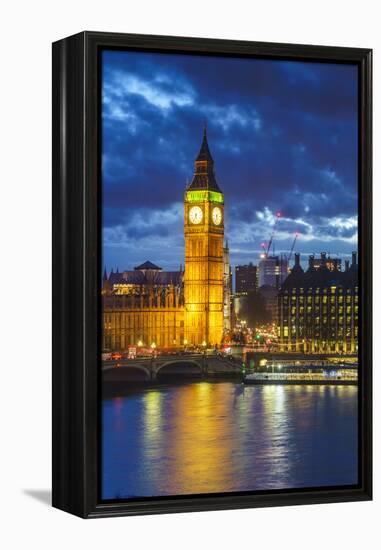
{"x":204,"y":196}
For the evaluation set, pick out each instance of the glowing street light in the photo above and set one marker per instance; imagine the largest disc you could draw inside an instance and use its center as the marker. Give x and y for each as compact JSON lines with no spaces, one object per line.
{"x":204,"y":344}
{"x":185,"y":341}
{"x":153,"y":345}
{"x":140,"y":344}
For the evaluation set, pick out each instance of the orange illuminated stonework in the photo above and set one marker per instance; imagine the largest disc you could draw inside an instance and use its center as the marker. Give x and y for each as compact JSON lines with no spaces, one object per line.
{"x":204,"y":254}
{"x":176,"y":308}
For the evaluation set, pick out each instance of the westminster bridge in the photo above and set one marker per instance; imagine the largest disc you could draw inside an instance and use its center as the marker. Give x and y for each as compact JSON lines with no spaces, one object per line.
{"x":149,"y":369}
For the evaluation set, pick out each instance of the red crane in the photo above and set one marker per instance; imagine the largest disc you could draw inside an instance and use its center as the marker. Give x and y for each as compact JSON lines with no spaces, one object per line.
{"x":278,"y":215}
{"x":293,"y":246}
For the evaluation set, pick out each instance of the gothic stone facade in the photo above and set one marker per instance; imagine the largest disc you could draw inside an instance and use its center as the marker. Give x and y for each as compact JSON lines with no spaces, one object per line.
{"x":145,"y":305}
{"x":170,"y":309}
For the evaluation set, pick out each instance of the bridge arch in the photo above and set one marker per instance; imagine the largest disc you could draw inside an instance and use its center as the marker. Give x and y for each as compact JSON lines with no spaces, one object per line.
{"x":127,"y":373}
{"x":179,"y":367}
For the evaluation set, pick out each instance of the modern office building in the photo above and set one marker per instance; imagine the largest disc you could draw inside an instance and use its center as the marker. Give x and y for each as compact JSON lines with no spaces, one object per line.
{"x":272,"y":271}
{"x":246,"y":278}
{"x":269,"y":295}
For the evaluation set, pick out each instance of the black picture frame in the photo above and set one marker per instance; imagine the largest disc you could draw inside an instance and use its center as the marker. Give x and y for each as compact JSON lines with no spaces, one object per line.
{"x":76,"y":273}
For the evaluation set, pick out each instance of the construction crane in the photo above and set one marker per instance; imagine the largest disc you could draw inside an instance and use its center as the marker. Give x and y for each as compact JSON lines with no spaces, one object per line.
{"x":293,"y":246}
{"x":267,"y":250}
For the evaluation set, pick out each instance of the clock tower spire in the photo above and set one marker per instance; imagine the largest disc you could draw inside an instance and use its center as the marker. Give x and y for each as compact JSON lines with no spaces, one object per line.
{"x":204,"y":177}
{"x":204,"y":238}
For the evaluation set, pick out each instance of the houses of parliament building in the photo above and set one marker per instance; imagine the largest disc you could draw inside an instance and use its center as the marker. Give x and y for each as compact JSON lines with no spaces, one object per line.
{"x":151,"y":307}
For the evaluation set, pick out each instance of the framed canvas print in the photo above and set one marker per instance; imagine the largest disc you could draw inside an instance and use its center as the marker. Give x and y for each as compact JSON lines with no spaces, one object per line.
{"x":212,"y":274}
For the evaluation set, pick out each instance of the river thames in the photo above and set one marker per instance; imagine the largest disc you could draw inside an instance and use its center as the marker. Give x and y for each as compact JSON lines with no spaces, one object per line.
{"x":212,"y":437}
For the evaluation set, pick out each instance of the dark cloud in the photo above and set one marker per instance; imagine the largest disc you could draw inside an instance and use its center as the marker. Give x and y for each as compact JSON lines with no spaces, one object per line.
{"x":283,"y":135}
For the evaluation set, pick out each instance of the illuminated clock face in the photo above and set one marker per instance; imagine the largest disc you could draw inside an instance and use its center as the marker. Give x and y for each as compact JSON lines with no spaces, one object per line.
{"x":195,"y":215}
{"x":216,"y":215}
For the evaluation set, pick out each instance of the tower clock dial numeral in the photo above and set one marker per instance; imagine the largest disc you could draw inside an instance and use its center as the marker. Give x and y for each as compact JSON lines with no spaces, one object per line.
{"x":216,"y":215}
{"x":195,"y":215}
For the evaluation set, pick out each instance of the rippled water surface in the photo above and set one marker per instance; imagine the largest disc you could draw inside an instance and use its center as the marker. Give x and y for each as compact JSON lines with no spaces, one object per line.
{"x":207,"y":437}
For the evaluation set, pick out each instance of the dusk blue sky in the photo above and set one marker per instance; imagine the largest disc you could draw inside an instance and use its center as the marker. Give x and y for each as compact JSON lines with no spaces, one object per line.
{"x":283,"y":135}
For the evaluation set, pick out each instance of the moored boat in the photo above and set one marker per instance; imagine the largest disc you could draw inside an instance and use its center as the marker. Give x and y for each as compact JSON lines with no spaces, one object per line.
{"x":335,"y":375}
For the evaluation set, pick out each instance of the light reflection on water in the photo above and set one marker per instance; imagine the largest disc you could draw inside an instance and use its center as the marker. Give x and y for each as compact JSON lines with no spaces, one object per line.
{"x":207,"y":437}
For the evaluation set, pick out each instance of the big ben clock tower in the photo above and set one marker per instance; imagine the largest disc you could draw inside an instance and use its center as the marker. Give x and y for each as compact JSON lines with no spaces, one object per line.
{"x":204,"y":268}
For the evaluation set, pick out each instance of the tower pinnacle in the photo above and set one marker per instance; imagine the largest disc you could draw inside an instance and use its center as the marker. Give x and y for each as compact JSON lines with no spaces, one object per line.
{"x":204,"y":176}
{"x":204,"y":154}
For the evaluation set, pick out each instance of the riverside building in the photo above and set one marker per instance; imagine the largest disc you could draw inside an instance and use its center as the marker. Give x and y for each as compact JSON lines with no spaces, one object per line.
{"x":318,"y":308}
